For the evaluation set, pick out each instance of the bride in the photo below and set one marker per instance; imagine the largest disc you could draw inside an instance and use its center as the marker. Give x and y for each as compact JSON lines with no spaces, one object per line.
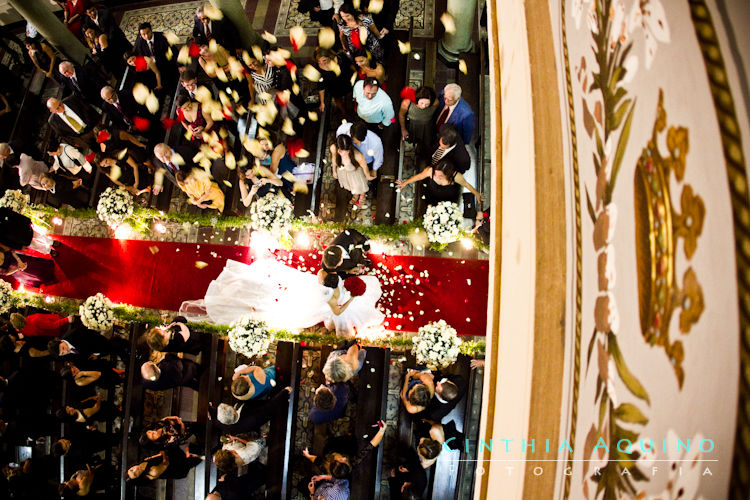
{"x":285,"y":298}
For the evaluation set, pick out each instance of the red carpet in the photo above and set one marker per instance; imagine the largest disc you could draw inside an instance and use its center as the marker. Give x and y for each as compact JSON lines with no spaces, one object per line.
{"x":162,"y":275}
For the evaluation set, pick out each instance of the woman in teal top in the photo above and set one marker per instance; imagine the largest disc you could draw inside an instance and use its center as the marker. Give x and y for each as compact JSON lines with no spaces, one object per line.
{"x":252,"y":382}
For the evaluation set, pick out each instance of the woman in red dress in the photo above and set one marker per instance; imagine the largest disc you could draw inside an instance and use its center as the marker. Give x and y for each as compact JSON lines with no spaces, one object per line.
{"x":75,"y":10}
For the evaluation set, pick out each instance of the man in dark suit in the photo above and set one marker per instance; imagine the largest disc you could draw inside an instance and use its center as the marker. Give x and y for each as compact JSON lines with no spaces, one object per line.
{"x":83,"y":81}
{"x":172,"y":160}
{"x":451,"y":148}
{"x":16,"y":231}
{"x":80,"y":343}
{"x":449,"y":390}
{"x":172,"y":371}
{"x":250,"y":416}
{"x":121,"y":110}
{"x":154,"y":44}
{"x":347,"y":251}
{"x":102,"y":21}
{"x":223,"y":31}
{"x":73,"y":121}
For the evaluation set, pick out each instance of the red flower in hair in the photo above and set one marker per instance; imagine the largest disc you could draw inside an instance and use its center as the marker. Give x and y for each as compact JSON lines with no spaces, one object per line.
{"x":140,"y":63}
{"x":355,"y":286}
{"x":194,"y":50}
{"x":409,"y":93}
{"x":90,"y":157}
{"x":141,"y":124}
{"x":102,"y":136}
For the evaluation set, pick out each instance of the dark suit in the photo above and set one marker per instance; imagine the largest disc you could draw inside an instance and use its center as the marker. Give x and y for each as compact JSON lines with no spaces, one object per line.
{"x":87,"y":342}
{"x":416,"y":475}
{"x":179,"y":344}
{"x":175,"y":372}
{"x":15,"y":229}
{"x":167,"y":68}
{"x":187,"y":153}
{"x":356,"y":245}
{"x":223,"y":31}
{"x":122,"y":117}
{"x":253,"y":415}
{"x":462,"y":118}
{"x":65,"y":132}
{"x":437,"y":410}
{"x":458,"y":156}
{"x":87,"y":84}
{"x":109,"y":27}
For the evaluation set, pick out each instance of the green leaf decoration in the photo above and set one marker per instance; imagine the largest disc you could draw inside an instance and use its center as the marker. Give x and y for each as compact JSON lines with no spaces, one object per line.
{"x":629,"y":413}
{"x":632,"y":383}
{"x":619,"y":152}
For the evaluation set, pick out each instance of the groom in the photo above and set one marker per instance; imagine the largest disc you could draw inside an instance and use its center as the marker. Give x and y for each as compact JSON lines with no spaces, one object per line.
{"x":346,"y":253}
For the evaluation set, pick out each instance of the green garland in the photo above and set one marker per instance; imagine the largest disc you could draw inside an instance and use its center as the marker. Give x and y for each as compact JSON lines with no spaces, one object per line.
{"x":143,"y":217}
{"x":130,"y":314}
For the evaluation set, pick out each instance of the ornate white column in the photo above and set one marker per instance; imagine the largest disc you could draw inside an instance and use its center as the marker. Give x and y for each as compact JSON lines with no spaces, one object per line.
{"x":55,"y":32}
{"x":464,"y":15}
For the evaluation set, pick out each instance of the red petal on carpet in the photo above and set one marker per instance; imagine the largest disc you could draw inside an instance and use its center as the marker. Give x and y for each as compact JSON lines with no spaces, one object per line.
{"x":128,"y":272}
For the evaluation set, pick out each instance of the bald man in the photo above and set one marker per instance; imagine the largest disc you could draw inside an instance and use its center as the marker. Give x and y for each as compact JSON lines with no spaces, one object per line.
{"x":73,"y":121}
{"x":82,"y":81}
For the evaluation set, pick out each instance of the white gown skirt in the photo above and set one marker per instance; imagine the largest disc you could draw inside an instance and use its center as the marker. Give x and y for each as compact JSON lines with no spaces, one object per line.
{"x":362,"y":311}
{"x":267,"y":290}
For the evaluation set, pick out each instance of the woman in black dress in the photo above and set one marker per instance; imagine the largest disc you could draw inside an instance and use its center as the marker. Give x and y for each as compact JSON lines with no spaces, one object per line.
{"x":443,"y":183}
{"x":43,"y":57}
{"x":131,"y":177}
{"x":172,"y":463}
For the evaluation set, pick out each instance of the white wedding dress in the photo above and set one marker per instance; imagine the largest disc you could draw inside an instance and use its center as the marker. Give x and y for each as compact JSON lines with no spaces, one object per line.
{"x":361,"y":312}
{"x":267,"y":290}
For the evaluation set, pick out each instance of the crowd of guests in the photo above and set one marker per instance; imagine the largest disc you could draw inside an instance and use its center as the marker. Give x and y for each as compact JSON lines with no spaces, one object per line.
{"x":120,"y":133}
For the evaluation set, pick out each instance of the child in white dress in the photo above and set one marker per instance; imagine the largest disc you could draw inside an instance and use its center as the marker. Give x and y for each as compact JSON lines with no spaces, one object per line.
{"x":350,"y":168}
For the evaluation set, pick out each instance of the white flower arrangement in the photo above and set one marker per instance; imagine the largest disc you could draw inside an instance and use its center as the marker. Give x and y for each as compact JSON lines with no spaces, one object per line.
{"x":272,"y":213}
{"x":15,"y":200}
{"x":115,"y":206}
{"x":96,"y":312}
{"x":7,"y":299}
{"x":249,"y":337}
{"x":443,"y":222}
{"x":436,"y":344}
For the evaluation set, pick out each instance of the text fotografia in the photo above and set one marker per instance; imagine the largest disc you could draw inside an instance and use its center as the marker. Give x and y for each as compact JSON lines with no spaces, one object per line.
{"x":705,"y":445}
{"x":673,"y":447}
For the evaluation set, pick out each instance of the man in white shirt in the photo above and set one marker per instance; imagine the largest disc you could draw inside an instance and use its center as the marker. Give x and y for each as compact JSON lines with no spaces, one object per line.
{"x":69,"y":159}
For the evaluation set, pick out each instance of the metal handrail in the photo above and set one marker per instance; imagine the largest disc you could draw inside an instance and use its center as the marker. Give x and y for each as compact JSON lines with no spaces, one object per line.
{"x":319,"y":156}
{"x":481,"y":119}
{"x":402,"y":145}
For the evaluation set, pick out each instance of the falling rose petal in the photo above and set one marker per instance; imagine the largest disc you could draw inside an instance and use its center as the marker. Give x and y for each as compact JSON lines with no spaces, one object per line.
{"x":269,"y":37}
{"x":448,"y":23}
{"x":227,"y":183}
{"x":257,"y":53}
{"x":140,"y":93}
{"x":199,"y":264}
{"x":287,"y":128}
{"x":194,"y":50}
{"x":356,"y":4}
{"x":171,"y":37}
{"x":183,"y":56}
{"x":363,"y":34}
{"x":229,"y":161}
{"x":375,"y":6}
{"x":122,"y":153}
{"x":203,"y":95}
{"x":311,"y":73}
{"x":167,"y":123}
{"x":298,"y":37}
{"x":335,"y":68}
{"x":300,"y":187}
{"x":312,"y":115}
{"x":213,"y":46}
{"x":140,"y":63}
{"x":212,"y":12}
{"x":326,"y":38}
{"x":177,"y":159}
{"x":353,"y":79}
{"x":242,"y":162}
{"x":152,"y":103}
{"x":115,"y":172}
{"x":294,"y":146}
{"x":404,"y":47}
{"x":278,"y":57}
{"x":303,"y":153}
{"x":153,"y":249}
{"x":462,"y":67}
{"x":301,"y":120}
{"x":90,"y":157}
{"x":141,"y":124}
{"x":102,"y":136}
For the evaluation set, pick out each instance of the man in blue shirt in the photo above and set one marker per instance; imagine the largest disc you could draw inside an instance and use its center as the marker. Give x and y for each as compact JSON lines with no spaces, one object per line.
{"x":373,"y":104}
{"x":369,"y":144}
